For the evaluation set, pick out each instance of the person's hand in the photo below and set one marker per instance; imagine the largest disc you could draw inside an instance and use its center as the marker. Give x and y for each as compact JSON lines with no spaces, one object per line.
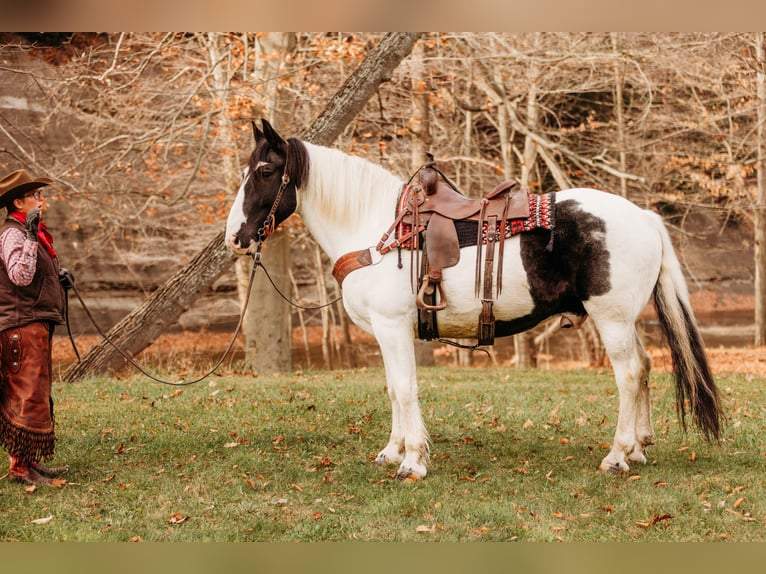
{"x":66,"y":278}
{"x":33,"y":223}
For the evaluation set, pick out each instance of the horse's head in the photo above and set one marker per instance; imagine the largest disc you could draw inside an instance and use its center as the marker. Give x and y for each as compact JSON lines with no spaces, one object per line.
{"x":267,"y":195}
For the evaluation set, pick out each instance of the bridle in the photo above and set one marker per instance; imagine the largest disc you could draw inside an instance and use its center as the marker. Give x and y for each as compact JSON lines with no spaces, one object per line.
{"x":269,"y":223}
{"x":268,"y":227}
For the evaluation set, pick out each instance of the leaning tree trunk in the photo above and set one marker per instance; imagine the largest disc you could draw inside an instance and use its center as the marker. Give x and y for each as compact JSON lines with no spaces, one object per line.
{"x":149,"y":320}
{"x":144,"y":324}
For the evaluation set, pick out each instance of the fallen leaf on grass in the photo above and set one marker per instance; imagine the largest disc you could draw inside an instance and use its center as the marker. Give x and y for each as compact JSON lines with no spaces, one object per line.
{"x":738,"y":502}
{"x":654,"y":520}
{"x":177,"y":518}
{"x":136,"y":539}
{"x":45,"y":520}
{"x":231,"y":444}
{"x":30,"y":489}
{"x":430,"y":529}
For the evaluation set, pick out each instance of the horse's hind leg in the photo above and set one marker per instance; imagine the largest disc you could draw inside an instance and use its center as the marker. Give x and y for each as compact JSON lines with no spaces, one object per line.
{"x":631,"y":370}
{"x":644,"y":430}
{"x":408,"y":442}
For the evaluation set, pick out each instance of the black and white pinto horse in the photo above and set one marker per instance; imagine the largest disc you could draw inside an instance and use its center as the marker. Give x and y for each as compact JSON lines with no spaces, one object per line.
{"x":609,"y":257}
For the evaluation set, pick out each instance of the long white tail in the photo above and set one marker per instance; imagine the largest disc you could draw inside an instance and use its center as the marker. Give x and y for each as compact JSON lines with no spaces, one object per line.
{"x":694,"y":382}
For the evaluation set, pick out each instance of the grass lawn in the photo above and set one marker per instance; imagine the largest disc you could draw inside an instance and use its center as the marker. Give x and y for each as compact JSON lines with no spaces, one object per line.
{"x":285,"y":458}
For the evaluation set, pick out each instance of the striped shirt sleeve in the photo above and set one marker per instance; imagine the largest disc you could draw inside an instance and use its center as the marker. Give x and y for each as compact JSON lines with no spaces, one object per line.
{"x":19,"y":255}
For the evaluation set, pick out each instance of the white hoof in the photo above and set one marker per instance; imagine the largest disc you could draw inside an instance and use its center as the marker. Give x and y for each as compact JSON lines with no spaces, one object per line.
{"x":613,"y":466}
{"x":410,"y":474}
{"x":388,"y":456}
{"x":637,"y":456}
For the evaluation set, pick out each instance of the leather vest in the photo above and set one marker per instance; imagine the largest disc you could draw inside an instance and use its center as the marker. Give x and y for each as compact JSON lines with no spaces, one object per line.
{"x":42,"y":300}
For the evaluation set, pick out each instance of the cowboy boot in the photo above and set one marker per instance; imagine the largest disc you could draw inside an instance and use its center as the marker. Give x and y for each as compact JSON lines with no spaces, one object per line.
{"x":25,"y":474}
{"x":51,"y":471}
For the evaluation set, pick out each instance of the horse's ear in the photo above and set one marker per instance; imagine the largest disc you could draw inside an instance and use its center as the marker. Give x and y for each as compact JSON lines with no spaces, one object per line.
{"x":274,"y":139}
{"x":257,"y":134}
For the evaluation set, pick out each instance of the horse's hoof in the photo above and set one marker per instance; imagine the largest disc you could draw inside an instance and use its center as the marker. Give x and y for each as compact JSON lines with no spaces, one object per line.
{"x":383,"y":458}
{"x":613,"y":467}
{"x":637,"y":457}
{"x":407,"y":475}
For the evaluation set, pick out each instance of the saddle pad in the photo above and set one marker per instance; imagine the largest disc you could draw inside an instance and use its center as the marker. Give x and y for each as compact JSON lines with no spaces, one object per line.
{"x":542,"y":209}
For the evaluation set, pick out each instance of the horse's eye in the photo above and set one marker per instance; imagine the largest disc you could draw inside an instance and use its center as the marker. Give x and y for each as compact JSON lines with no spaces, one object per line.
{"x":264,"y":170}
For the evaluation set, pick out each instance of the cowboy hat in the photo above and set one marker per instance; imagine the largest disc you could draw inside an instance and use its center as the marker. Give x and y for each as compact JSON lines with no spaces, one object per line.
{"x":17,"y":183}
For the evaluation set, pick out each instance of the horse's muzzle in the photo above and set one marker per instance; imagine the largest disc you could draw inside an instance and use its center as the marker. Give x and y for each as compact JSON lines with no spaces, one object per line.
{"x":236,"y":247}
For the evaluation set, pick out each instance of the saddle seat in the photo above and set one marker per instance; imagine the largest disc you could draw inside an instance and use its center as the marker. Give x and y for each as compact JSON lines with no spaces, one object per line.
{"x":431,"y":208}
{"x":435,"y":196}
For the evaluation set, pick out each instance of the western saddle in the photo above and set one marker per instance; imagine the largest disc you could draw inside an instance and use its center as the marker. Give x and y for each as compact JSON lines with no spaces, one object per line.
{"x":426,"y":224}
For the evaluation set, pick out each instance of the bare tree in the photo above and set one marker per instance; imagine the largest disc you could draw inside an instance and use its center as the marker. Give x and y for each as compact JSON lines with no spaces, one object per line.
{"x":137,"y":330}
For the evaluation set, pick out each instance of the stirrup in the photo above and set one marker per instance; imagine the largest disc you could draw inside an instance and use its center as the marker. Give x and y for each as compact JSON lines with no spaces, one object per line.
{"x":420,"y":301}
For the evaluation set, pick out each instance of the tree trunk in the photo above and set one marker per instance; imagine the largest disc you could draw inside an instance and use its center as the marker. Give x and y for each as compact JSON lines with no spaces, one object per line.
{"x":143,"y":325}
{"x":618,"y":110}
{"x":421,"y":143}
{"x":522,"y":343}
{"x":267,"y":327}
{"x":760,"y":204}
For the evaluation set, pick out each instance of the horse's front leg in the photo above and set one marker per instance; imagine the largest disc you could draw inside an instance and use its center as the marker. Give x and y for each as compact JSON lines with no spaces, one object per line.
{"x":408,"y":442}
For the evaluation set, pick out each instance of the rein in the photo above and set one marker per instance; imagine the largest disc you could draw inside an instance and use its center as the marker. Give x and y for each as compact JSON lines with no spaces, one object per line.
{"x":256,"y":264}
{"x":130,"y":359}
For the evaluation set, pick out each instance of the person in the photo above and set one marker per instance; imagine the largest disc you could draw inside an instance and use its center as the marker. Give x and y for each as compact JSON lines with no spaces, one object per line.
{"x":32,"y":302}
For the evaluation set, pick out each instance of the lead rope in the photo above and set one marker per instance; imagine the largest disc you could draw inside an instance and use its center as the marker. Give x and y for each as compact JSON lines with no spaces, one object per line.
{"x":130,"y":360}
{"x":256,"y":264}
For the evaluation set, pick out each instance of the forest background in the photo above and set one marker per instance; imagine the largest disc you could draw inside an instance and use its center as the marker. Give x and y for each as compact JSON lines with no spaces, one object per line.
{"x":145,"y":135}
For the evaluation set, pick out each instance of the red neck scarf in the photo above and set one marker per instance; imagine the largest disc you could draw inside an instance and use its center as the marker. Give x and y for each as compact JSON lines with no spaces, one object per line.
{"x":43,"y":235}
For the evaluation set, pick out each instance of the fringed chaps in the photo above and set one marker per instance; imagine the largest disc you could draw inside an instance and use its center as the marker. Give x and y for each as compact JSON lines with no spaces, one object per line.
{"x":26,"y":406}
